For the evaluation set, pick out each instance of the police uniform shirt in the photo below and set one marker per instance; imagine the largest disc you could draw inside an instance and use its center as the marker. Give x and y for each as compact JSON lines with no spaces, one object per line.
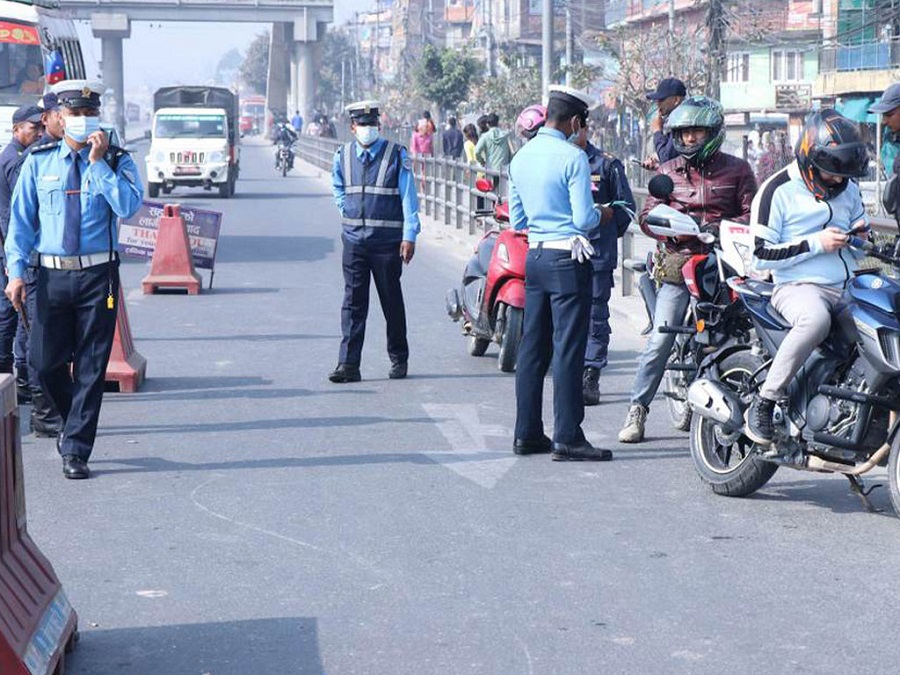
{"x":9,"y":161}
{"x":550,"y":181}
{"x":406,"y":184}
{"x":37,"y":216}
{"x":608,"y":176}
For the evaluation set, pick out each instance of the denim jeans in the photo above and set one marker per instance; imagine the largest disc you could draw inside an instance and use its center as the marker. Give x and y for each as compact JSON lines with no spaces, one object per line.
{"x":671,"y":304}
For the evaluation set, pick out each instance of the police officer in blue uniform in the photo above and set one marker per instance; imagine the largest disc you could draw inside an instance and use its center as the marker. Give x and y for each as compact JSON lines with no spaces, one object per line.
{"x":550,"y":194}
{"x":27,"y":128}
{"x":45,"y":421}
{"x":613,"y":196}
{"x":63,"y":223}
{"x":375,"y":191}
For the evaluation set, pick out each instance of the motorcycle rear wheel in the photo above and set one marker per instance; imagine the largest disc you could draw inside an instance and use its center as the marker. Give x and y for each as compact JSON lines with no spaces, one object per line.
{"x":894,"y":475}
{"x":511,"y":338}
{"x":732,"y":469}
{"x":478,"y":346}
{"x":675,"y":388}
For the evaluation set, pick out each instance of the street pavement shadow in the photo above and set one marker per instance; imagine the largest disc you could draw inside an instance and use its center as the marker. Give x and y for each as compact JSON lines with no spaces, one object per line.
{"x":260,"y":646}
{"x":230,"y":394}
{"x":168,"y":384}
{"x":239,"y":290}
{"x":259,"y":425}
{"x":273,"y":337}
{"x":832,"y":493}
{"x":272,"y":249}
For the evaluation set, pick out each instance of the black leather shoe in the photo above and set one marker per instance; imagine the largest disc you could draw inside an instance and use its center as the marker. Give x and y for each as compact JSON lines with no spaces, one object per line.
{"x":75,"y":468}
{"x":532,"y":446}
{"x":345,"y":373}
{"x":579,"y":452}
{"x":397,"y":371}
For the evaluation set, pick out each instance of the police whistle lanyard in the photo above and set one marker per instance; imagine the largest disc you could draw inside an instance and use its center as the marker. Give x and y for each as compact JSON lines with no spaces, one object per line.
{"x":110,"y":300}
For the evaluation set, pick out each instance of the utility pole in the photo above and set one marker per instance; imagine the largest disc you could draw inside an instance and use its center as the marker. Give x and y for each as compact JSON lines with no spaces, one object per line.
{"x":489,"y":36}
{"x":716,"y":26}
{"x":547,"y":46}
{"x":376,"y":60}
{"x":670,"y":37}
{"x":570,"y":46}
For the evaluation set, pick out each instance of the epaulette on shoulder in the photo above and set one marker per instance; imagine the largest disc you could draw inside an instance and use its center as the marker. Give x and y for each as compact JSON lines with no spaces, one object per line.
{"x":44,"y":147}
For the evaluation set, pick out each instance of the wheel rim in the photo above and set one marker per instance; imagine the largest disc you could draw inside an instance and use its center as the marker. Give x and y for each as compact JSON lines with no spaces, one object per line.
{"x":718,"y":456}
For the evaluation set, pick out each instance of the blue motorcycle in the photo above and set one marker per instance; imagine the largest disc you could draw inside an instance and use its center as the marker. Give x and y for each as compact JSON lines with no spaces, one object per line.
{"x":841,"y":411}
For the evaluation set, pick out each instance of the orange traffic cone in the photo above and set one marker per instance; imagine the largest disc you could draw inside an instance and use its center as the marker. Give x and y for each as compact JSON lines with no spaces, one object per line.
{"x":172,"y":265}
{"x":126,"y":367}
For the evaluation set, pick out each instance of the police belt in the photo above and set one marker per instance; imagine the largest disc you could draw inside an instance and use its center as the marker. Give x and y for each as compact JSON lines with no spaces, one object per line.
{"x":73,"y":262}
{"x":556,"y":244}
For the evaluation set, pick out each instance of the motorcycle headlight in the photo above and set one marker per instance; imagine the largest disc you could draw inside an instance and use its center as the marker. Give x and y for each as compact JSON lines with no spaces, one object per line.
{"x":503,"y":253}
{"x":216,"y":157}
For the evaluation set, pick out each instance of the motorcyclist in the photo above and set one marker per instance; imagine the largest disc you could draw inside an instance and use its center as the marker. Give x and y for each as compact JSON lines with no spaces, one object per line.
{"x":800,"y":224}
{"x":530,"y":121}
{"x":613,"y":196}
{"x":709,"y":185}
{"x":286,"y":136}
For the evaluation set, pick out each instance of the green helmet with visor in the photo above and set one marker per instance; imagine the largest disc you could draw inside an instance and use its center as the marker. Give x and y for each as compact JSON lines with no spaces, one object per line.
{"x":697,"y":112}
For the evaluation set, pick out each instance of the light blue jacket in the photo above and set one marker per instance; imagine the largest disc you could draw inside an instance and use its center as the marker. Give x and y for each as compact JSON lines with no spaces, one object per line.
{"x":785,"y":222}
{"x":550,"y":189}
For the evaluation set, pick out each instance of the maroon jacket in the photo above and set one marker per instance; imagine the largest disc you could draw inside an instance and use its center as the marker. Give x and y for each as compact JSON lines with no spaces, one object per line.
{"x":723,"y":188}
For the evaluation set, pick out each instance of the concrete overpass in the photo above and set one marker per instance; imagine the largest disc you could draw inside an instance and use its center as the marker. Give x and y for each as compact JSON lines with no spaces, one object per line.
{"x":296,"y":26}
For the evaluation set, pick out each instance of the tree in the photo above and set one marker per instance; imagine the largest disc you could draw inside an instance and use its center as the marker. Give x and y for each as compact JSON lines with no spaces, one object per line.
{"x":444,"y":76}
{"x":228,"y":66}
{"x":255,"y":68}
{"x":515,"y":88}
{"x":336,"y":52}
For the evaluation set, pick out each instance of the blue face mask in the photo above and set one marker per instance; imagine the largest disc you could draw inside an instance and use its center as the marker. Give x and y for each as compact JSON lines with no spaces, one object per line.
{"x":79,"y":128}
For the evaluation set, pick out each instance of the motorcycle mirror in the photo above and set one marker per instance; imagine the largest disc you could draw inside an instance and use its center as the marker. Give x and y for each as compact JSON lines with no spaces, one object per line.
{"x":661,"y":187}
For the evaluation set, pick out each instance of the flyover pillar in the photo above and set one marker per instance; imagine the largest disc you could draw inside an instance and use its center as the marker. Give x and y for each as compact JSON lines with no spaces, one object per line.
{"x":278,"y":76}
{"x":303,"y":72}
{"x":112,"y":29}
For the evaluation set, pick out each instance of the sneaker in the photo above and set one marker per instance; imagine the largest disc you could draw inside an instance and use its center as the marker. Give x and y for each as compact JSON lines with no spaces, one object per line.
{"x":591,"y":386}
{"x":760,"y":428}
{"x":633,"y":431}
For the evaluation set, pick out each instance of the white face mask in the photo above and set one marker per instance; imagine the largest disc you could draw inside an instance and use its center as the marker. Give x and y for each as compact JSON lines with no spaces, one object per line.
{"x":79,"y":128}
{"x":366,"y":135}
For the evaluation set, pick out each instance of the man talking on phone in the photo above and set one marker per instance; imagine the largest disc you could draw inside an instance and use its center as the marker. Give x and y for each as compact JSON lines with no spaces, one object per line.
{"x":63,"y":218}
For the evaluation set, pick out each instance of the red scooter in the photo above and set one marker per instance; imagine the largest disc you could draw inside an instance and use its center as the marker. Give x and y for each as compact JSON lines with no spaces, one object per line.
{"x":491,"y":299}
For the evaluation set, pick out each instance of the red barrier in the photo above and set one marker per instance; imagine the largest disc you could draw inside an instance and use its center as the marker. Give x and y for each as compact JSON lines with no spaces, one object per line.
{"x":37,"y":623}
{"x":126,"y":368}
{"x":172,"y":265}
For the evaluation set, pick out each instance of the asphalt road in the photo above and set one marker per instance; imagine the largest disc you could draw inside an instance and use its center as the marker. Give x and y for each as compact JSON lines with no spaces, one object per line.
{"x":247,"y":517}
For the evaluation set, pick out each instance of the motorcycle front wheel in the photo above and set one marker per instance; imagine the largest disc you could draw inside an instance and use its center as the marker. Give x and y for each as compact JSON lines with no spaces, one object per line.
{"x":510,"y":339}
{"x":729,"y":465}
{"x":894,"y":474}
{"x":478,"y":346}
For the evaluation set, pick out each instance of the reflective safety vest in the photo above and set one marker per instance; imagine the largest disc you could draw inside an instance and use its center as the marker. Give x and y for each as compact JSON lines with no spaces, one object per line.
{"x":371,"y":190}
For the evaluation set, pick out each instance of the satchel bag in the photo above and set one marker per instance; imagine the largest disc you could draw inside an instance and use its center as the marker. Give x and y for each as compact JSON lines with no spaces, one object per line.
{"x":667,"y":266}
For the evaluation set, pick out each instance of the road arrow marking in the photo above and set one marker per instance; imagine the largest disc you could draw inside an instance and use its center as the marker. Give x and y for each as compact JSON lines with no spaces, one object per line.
{"x":469,"y":455}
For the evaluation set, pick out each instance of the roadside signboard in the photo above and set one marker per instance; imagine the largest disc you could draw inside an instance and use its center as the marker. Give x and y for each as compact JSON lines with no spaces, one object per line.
{"x":137,"y":235}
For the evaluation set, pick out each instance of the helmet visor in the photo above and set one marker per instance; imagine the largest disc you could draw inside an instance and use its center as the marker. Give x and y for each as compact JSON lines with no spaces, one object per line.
{"x":849,"y":159}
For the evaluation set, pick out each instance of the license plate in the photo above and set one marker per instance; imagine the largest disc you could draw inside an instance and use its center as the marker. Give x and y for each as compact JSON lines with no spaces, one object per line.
{"x":187,"y":170}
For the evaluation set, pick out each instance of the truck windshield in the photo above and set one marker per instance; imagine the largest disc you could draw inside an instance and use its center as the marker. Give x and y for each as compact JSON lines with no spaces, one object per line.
{"x":170,"y":125}
{"x":21,"y":63}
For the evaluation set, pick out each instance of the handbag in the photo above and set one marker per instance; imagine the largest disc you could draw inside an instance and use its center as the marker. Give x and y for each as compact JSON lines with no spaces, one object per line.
{"x":667,"y":266}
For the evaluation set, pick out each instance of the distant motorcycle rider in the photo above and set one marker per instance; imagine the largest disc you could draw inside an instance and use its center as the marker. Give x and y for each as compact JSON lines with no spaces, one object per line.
{"x":286,"y":136}
{"x":800,"y":223}
{"x":709,"y":185}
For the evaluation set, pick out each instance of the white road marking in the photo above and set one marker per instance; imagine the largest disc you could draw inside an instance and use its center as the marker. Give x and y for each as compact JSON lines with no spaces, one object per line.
{"x":470,"y":456}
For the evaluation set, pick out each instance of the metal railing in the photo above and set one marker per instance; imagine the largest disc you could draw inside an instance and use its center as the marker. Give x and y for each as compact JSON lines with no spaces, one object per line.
{"x":447,"y":194}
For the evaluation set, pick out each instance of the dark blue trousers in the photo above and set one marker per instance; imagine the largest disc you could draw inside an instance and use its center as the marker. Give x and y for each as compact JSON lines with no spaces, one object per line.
{"x":557,"y":315}
{"x":72,"y":323}
{"x":362,"y":263}
{"x":597,"y":351}
{"x":9,"y":320}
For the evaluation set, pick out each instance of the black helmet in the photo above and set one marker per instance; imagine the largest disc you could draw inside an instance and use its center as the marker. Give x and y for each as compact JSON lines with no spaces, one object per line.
{"x":830,"y":143}
{"x":694,"y":112}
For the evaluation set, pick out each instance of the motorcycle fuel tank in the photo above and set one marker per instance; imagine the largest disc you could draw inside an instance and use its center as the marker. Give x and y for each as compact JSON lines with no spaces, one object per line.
{"x":875,"y":290}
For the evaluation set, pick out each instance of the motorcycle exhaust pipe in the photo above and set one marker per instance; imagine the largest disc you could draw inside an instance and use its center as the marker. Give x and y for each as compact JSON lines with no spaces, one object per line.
{"x":710,"y":399}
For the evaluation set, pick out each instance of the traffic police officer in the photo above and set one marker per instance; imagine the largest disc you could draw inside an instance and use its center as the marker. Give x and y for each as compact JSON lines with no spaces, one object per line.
{"x":375,"y":192}
{"x":550,"y":194}
{"x":63,"y":222}
{"x":45,"y":421}
{"x":613,"y":196}
{"x":26,"y":130}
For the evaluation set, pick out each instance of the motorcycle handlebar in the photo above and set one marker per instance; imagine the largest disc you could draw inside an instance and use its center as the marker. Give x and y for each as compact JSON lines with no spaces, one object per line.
{"x":871,"y":250}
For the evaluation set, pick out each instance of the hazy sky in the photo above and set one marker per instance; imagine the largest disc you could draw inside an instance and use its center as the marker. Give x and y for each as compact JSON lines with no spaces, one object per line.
{"x":169,"y":52}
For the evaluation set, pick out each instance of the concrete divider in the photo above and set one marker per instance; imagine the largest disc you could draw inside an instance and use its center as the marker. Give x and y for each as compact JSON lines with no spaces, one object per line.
{"x":37,"y":623}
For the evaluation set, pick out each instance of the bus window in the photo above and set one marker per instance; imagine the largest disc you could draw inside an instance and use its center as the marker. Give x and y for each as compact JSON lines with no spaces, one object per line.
{"x":21,"y":64}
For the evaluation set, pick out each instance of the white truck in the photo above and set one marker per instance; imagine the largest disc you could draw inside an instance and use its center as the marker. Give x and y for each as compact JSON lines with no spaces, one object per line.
{"x":194,"y":140}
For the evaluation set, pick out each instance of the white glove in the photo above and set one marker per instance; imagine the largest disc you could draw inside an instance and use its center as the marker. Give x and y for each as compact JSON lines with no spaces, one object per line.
{"x":581,"y":248}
